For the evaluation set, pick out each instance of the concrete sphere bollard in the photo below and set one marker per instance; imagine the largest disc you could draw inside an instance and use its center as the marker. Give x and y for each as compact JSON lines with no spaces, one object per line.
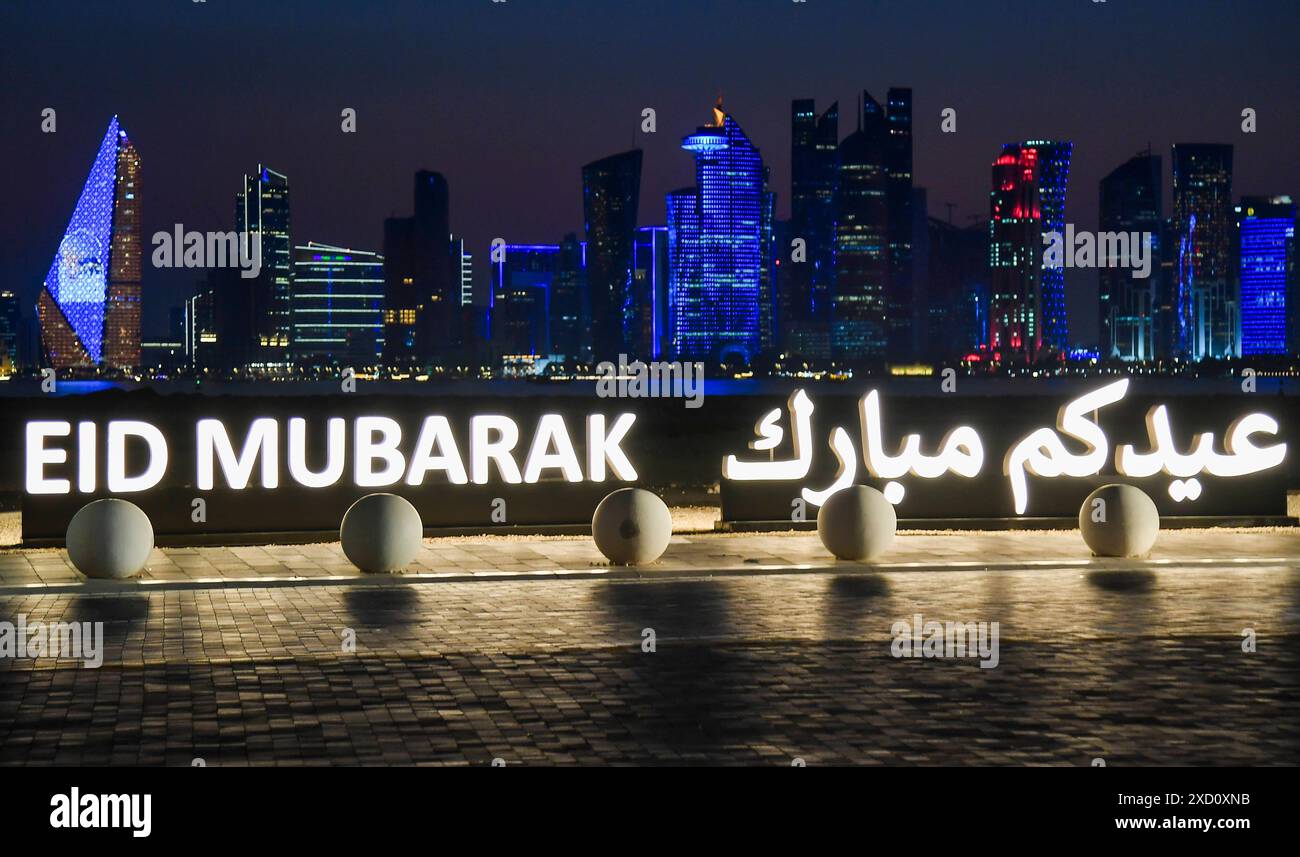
{"x":857,"y":523}
{"x":381,"y":533}
{"x":632,"y":526}
{"x":109,"y":539}
{"x":1119,"y":520}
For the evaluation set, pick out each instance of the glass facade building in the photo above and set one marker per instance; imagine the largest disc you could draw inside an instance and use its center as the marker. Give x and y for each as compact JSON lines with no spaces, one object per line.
{"x":262,"y":219}
{"x":89,"y":305}
{"x":715,"y":241}
{"x":804,"y":298}
{"x":1206,"y":308}
{"x":611,"y":193}
{"x":521,"y":296}
{"x":1027,"y":299}
{"x":860,"y":310}
{"x":338,"y":306}
{"x":1266,"y":254}
{"x":1130,"y":203}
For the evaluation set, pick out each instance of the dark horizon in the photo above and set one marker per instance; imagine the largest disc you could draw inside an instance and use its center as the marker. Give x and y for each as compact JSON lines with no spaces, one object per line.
{"x":509,"y":100}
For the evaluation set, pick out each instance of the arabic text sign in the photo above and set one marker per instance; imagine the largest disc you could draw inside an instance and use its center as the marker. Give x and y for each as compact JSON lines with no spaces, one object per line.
{"x":1018,"y":462}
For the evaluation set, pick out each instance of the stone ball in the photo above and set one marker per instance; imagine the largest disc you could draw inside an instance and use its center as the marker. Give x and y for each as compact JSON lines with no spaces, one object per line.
{"x":1119,"y":520}
{"x":857,"y":523}
{"x":381,"y":533}
{"x":109,"y":539}
{"x":632,"y":526}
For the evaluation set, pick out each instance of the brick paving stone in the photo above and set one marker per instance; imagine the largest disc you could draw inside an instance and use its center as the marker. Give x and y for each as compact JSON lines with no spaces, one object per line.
{"x":1140,"y":665}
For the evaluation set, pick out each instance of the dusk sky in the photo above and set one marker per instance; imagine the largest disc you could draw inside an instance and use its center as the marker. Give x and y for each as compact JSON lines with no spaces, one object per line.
{"x":508,"y":100}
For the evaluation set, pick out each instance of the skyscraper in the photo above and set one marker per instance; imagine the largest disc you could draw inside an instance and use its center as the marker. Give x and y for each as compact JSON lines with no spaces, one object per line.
{"x":957,"y":285}
{"x":1027,"y":299}
{"x":89,"y":306}
{"x":611,"y":192}
{"x":262,"y":219}
{"x":900,"y":292}
{"x":1206,"y":305}
{"x":338,"y":306}
{"x":715,"y":241}
{"x":570,"y":305}
{"x":10,"y":332}
{"x":423,"y":280}
{"x":1266,"y":253}
{"x":1130,"y":203}
{"x":651,"y":292}
{"x":860,"y":322}
{"x":803,"y":299}
{"x":521,"y":294}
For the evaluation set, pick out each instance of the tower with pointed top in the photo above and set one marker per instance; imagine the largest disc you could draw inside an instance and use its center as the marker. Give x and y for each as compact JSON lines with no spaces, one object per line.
{"x":89,"y":305}
{"x":715,"y":246}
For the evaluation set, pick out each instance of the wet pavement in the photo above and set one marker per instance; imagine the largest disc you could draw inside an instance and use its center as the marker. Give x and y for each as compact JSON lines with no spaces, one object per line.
{"x":1134,"y":665}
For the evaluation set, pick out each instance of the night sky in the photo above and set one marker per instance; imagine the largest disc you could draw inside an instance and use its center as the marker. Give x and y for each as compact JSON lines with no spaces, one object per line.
{"x":508,"y":100}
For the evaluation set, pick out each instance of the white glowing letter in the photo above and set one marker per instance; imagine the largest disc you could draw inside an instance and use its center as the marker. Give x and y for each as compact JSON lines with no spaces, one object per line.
{"x":263,"y":440}
{"x":38,"y":456}
{"x":368,"y":449}
{"x":86,"y":457}
{"x":603,"y":448}
{"x":335,"y":453}
{"x":551,"y":431}
{"x":1043,"y":454}
{"x":118,"y":432}
{"x":436,"y":431}
{"x":801,"y":408}
{"x":842,"y":444}
{"x":483,"y":449}
{"x":960,"y":451}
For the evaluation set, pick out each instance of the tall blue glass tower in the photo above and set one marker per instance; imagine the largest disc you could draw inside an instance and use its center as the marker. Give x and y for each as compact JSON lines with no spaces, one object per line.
{"x":715,"y":241}
{"x":1053,"y":176}
{"x":1266,"y":229}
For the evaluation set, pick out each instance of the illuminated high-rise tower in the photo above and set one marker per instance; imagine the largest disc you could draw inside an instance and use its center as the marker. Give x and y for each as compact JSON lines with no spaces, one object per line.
{"x":1267,"y":254}
{"x":1206,"y":304}
{"x":89,"y":306}
{"x":715,"y":245}
{"x":804,"y":299}
{"x":1027,"y":300}
{"x":860,"y":321}
{"x":262,"y":219}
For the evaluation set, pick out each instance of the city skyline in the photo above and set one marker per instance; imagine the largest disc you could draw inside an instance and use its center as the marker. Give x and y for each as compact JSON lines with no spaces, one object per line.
{"x":724,"y":292}
{"x":1107,"y":92}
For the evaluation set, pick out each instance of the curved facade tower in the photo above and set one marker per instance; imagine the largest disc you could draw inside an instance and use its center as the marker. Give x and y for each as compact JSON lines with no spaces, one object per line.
{"x":715,"y":240}
{"x":89,"y":306}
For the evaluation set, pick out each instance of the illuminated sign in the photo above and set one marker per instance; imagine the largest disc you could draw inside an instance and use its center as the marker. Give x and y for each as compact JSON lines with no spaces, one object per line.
{"x":1076,"y":447}
{"x":376,"y":451}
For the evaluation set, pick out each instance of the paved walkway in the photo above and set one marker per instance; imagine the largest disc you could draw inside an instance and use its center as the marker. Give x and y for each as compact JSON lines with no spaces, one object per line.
{"x":486,"y":557}
{"x":1139,"y":666}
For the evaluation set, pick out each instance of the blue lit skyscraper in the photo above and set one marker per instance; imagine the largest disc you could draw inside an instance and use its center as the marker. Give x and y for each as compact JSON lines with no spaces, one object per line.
{"x":1266,"y":235}
{"x":715,"y":240}
{"x":89,"y":307}
{"x":1053,"y":176}
{"x":521,"y":300}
